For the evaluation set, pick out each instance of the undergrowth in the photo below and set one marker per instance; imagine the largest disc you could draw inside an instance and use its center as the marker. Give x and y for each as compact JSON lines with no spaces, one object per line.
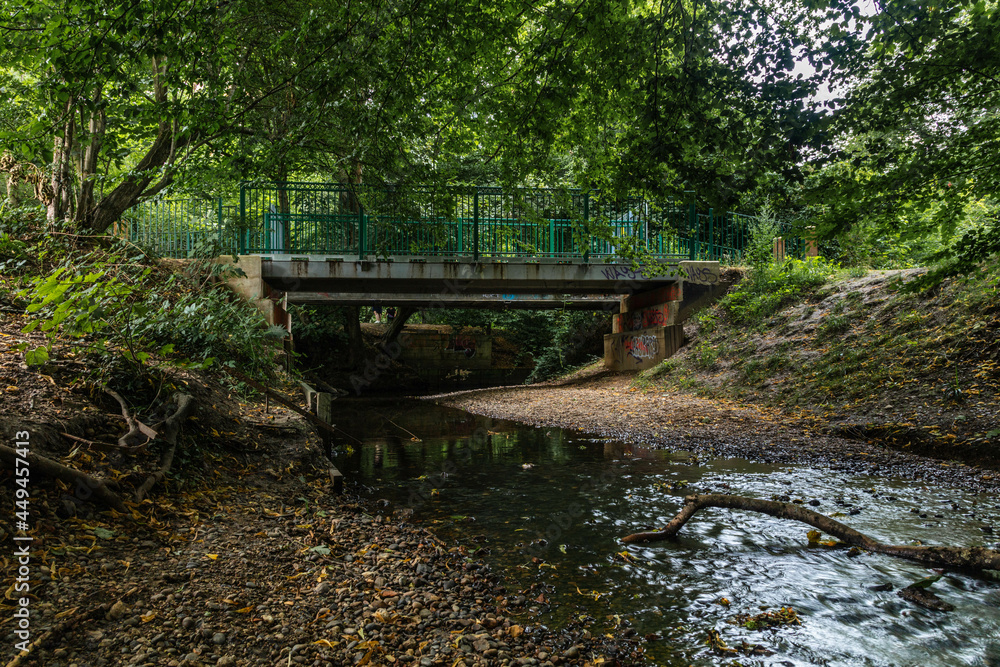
{"x":106,"y":300}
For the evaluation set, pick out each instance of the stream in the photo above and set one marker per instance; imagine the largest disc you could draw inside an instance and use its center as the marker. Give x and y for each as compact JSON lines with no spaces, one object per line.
{"x":548,"y":506}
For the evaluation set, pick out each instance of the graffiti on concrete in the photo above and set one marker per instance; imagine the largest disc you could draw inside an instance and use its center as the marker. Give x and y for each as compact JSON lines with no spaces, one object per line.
{"x":621,"y":273}
{"x":701,"y":273}
{"x":641,"y":347}
{"x":463,"y":344}
{"x":658,"y":316}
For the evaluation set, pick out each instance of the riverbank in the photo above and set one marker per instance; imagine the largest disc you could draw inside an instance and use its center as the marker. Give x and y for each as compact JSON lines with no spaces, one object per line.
{"x":242,"y":555}
{"x":610,"y":405}
{"x":279,"y":574}
{"x":855,"y":375}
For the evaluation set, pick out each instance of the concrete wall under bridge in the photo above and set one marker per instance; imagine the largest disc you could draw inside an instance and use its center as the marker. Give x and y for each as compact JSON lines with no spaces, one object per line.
{"x":440,"y":348}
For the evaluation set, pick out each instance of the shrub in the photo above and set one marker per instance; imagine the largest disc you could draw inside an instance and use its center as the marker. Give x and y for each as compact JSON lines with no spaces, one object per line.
{"x":110,"y":301}
{"x":772,"y":287}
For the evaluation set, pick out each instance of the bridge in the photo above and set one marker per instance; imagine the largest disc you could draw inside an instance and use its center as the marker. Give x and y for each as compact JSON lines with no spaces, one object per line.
{"x":459,"y":247}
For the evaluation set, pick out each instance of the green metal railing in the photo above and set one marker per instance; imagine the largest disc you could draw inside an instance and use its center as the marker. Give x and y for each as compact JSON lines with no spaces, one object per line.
{"x":487,"y":223}
{"x":182,"y":228}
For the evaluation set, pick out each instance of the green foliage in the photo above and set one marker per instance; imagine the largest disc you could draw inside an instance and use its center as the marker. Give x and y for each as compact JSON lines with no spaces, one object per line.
{"x":911,"y":164}
{"x":319,"y":324}
{"x":763,"y":229}
{"x":186,"y":94}
{"x":207,"y":326}
{"x":114,"y":305}
{"x":705,"y":354}
{"x":965,"y":257}
{"x":556,"y":340}
{"x":770,"y":287}
{"x":576,"y":336}
{"x":14,"y":255}
{"x":82,"y":300}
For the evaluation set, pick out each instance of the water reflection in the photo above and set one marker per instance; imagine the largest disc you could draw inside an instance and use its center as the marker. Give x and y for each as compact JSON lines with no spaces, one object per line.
{"x":566,"y":498}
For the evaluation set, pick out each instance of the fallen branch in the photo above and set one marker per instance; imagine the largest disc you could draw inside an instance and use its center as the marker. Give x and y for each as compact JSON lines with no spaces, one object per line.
{"x":102,"y":446}
{"x":978,"y":558}
{"x":171,"y":428}
{"x":135,"y":427}
{"x":59,"y":631}
{"x":84,"y":485}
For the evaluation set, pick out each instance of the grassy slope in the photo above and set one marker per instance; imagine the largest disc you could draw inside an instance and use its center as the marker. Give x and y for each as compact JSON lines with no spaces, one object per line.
{"x":866,"y":358}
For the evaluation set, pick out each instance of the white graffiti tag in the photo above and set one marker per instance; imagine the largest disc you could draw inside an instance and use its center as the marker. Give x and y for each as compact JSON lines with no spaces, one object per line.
{"x":641,"y":347}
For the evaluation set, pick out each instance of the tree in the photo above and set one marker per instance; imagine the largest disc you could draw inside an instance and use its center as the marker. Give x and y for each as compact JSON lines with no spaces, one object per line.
{"x":919,"y":124}
{"x":133,"y":98}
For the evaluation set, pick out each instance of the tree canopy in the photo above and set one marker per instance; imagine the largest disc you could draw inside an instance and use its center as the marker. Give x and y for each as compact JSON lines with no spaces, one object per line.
{"x":917,"y":133}
{"x":122,"y":100}
{"x":119,"y":101}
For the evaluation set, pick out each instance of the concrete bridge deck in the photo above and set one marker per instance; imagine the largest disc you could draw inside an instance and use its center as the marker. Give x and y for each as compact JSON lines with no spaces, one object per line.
{"x":318,"y":274}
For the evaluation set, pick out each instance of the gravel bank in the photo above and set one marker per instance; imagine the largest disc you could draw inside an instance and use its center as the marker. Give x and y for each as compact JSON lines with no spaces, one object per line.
{"x":606,"y":404}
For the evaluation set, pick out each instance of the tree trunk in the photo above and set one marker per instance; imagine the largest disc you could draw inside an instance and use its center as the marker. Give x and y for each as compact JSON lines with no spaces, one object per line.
{"x":162,"y":153}
{"x":61,"y":177}
{"x":284,"y":208}
{"x":12,"y":200}
{"x":978,"y":558}
{"x":88,"y":161}
{"x":355,"y":343}
{"x":126,"y":195}
{"x":396,"y":326}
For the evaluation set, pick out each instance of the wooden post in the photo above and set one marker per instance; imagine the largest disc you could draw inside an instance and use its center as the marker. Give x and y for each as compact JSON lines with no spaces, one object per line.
{"x":337,"y":478}
{"x":778,"y":249}
{"x":812,"y":245}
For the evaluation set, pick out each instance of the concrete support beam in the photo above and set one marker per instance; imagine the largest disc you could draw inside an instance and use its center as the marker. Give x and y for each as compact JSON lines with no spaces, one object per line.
{"x":252,"y":288}
{"x":662,"y":315}
{"x":652,"y":297}
{"x":487,"y":301}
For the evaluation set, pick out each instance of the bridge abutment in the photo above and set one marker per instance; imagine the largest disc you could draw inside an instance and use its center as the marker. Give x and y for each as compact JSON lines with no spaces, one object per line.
{"x":648,"y":327}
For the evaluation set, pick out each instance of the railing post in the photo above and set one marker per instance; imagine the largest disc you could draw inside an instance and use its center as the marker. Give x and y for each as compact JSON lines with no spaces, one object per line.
{"x":475,"y":225}
{"x":586,"y":226}
{"x":711,"y":235}
{"x":243,"y":217}
{"x":362,"y":231}
{"x":692,"y":225}
{"x":219,"y":221}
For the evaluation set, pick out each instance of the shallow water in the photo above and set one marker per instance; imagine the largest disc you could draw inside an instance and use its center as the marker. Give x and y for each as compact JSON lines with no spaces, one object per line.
{"x":566,"y":499}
